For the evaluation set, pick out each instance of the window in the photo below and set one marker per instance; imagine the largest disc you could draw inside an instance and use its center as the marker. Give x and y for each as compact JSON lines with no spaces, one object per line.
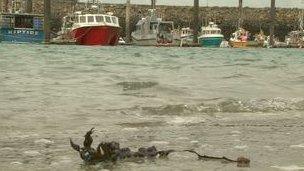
{"x":7,"y":21}
{"x":99,"y":19}
{"x":114,"y":19}
{"x":82,"y":19}
{"x":24,"y":22}
{"x":108,"y":19}
{"x":91,"y":19}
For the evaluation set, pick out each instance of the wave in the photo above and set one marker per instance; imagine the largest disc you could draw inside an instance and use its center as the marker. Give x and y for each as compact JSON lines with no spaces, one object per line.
{"x":226,"y":106}
{"x":136,"y":85}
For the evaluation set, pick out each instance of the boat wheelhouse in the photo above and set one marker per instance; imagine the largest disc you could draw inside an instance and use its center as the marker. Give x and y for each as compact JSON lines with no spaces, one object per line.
{"x":21,"y":28}
{"x":211,"y":36}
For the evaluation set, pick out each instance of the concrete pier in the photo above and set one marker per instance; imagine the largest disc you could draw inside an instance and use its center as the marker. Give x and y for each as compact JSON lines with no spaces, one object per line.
{"x":47,"y":20}
{"x":153,"y":4}
{"x":196,"y":26}
{"x":240,"y":22}
{"x":272,"y":21}
{"x":128,"y":30}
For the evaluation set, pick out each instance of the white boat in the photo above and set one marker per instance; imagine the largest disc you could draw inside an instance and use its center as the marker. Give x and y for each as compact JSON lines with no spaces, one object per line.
{"x":152,"y":31}
{"x":211,"y":36}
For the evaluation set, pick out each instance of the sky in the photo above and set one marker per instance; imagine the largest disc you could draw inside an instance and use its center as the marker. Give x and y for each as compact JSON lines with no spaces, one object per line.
{"x":249,"y":3}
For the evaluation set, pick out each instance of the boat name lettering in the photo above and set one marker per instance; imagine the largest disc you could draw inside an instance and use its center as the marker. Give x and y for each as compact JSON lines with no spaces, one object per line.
{"x":28,"y":32}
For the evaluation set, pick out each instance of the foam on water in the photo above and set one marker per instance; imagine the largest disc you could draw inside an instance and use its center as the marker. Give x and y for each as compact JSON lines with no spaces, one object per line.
{"x":289,"y":168}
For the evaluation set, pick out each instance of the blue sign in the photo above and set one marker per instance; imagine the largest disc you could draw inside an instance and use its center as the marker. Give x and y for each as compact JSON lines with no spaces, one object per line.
{"x":21,"y":35}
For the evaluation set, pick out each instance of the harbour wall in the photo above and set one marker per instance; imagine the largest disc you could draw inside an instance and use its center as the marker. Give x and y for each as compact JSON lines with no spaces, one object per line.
{"x":254,"y":19}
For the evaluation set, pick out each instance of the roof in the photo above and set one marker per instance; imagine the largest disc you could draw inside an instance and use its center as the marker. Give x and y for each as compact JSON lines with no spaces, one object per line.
{"x":22,"y":14}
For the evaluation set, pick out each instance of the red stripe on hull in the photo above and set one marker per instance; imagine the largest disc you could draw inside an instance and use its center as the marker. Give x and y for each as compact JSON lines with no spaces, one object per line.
{"x":96,"y":35}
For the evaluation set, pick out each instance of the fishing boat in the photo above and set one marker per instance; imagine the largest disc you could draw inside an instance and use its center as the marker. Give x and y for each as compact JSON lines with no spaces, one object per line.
{"x":153,"y":31}
{"x":20,"y":27}
{"x":296,"y":38}
{"x":211,"y":36}
{"x":90,"y":27}
{"x":239,"y":38}
{"x":261,"y":39}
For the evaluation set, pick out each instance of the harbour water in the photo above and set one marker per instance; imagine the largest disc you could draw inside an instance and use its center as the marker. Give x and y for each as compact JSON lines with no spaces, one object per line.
{"x":221,"y":102}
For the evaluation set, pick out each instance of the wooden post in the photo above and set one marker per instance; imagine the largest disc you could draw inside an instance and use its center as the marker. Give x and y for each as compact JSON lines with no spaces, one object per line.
{"x":195,"y":23}
{"x":153,"y":4}
{"x":47,"y":21}
{"x":128,"y":9}
{"x":240,"y":22}
{"x":28,"y":6}
{"x":272,"y":21}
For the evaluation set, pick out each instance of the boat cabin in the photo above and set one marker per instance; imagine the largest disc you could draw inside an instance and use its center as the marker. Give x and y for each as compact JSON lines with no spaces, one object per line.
{"x":15,"y":27}
{"x":22,"y":21}
{"x":212,"y":28}
{"x":91,"y":20}
{"x":185,"y":32}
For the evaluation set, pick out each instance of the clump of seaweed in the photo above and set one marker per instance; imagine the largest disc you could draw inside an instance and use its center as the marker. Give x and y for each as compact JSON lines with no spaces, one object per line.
{"x":111,"y":152}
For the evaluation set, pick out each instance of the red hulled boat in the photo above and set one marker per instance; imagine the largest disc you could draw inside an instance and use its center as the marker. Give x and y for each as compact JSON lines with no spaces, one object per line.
{"x":90,"y":29}
{"x":96,"y":29}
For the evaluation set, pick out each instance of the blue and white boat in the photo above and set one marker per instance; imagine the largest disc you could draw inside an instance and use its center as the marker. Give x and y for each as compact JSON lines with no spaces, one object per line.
{"x":21,"y":28}
{"x":211,"y":36}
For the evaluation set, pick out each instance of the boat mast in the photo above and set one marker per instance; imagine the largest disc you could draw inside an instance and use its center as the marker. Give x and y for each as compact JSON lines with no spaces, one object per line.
{"x":240,"y":22}
{"x":272,"y":21}
{"x":195,"y":21}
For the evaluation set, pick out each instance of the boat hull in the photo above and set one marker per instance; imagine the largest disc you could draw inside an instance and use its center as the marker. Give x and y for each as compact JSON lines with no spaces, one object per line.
{"x":210,"y":41}
{"x":96,"y":35}
{"x":153,"y":42}
{"x":15,"y":35}
{"x":239,"y":44}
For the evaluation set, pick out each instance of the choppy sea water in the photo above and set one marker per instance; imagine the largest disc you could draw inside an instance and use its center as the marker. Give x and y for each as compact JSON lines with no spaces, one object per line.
{"x":221,"y":102}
